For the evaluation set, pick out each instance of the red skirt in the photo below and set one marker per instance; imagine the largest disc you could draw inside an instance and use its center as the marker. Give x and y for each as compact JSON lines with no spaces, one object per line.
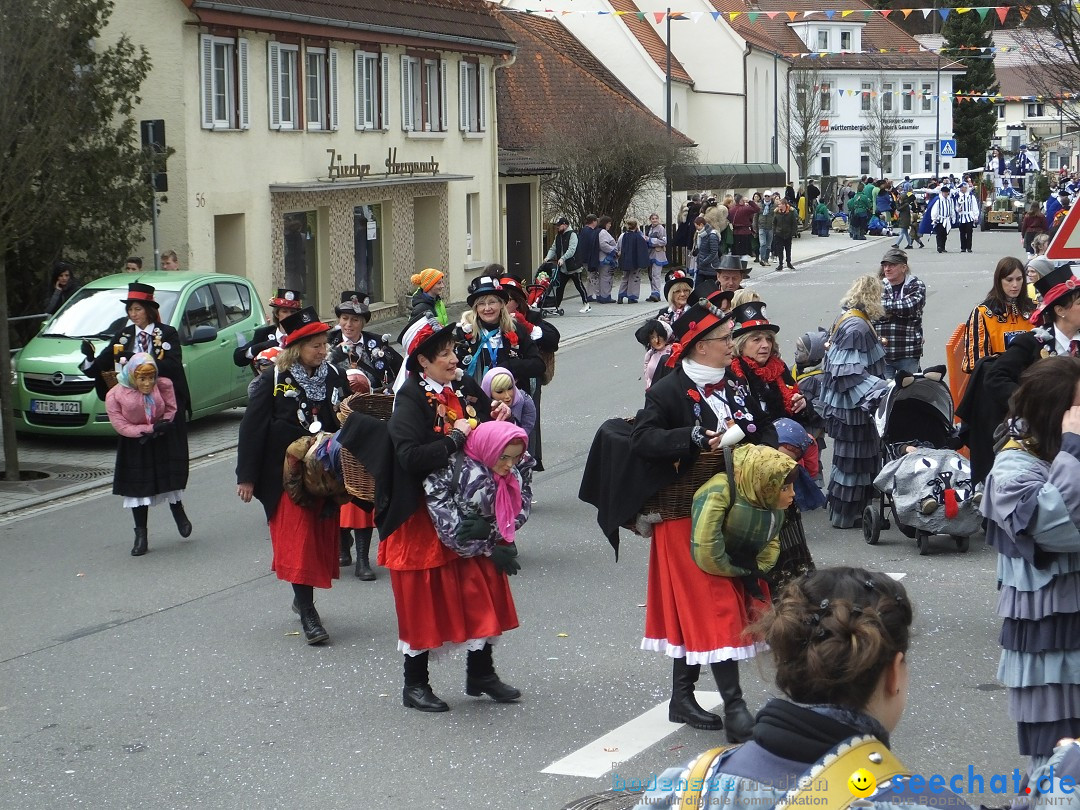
{"x":305,"y":545}
{"x":355,"y":517}
{"x":692,"y":614}
{"x":457,"y":601}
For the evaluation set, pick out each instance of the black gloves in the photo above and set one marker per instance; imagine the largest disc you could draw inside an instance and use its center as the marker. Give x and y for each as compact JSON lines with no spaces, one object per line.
{"x":87,"y":348}
{"x":504,"y":556}
{"x":474,"y":527}
{"x":161,"y":427}
{"x":699,"y":437}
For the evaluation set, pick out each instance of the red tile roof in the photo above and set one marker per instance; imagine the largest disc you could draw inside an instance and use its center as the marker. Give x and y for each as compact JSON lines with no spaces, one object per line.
{"x":650,"y":40}
{"x":878,"y":32}
{"x":554,"y":81}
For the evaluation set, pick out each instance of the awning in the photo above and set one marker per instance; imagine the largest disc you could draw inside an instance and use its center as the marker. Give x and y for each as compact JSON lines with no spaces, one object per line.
{"x":720,"y":176}
{"x":518,"y":163}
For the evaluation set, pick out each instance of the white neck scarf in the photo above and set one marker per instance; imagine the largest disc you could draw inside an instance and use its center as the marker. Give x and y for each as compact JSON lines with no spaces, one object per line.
{"x":703,"y":375}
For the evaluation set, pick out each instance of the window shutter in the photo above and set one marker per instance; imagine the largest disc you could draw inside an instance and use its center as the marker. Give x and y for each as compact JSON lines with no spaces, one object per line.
{"x":483,"y":96}
{"x":242,"y":83}
{"x":463,"y":95}
{"x":444,"y":107}
{"x":384,"y":97}
{"x":360,"y":79}
{"x":406,"y":96}
{"x":206,"y":80}
{"x":332,"y":96}
{"x":273,"y":83}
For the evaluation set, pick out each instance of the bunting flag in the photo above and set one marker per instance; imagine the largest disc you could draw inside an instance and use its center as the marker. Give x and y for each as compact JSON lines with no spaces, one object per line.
{"x":959,"y":96}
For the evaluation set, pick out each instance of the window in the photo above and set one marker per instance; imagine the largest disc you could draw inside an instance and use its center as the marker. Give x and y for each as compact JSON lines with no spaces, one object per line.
{"x":845,"y":40}
{"x":320,"y":88}
{"x":372,"y":91}
{"x":887,"y":90}
{"x":826,"y":97}
{"x":867,"y":89}
{"x":887,"y":164}
{"x":201,"y":310}
{"x":1000,"y":109}
{"x":472,"y":227}
{"x":907,"y":94}
{"x":283,"y":83}
{"x":864,"y":160}
{"x":223,"y":82}
{"x":906,"y":158}
{"x":235,"y":300}
{"x":927,"y":96}
{"x":299,"y":232}
{"x":826,"y":160}
{"x":367,"y":251}
{"x":1035,"y":111}
{"x":822,"y":40}
{"x":472,"y":96}
{"x":929,"y":150}
{"x":423,"y":94}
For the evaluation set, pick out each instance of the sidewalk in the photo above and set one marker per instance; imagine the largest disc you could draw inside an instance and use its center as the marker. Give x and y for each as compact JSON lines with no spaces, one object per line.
{"x":76,"y":466}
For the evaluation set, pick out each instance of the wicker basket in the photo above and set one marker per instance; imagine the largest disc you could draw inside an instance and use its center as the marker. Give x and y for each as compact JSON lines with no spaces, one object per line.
{"x":358,"y":481}
{"x":110,"y":378}
{"x":549,"y":366}
{"x":674,"y":501}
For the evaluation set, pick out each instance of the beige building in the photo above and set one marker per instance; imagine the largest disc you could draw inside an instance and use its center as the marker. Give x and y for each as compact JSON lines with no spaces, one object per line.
{"x":325,"y":147}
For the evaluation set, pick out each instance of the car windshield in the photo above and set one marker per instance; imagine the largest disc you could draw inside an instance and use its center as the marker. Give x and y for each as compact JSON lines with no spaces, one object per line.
{"x":100,"y":313}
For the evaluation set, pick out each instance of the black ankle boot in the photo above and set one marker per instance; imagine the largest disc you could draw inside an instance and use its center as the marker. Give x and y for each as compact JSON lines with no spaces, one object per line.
{"x":417,"y":693}
{"x":311,"y":622}
{"x":684,"y":707}
{"x":140,"y":542}
{"x":363,"y":549}
{"x":345,"y":546}
{"x":738,"y":722}
{"x":183,"y":525}
{"x":480,"y":677}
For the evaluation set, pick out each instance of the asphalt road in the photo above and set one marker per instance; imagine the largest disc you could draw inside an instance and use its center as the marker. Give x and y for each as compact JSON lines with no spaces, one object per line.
{"x":178,"y":679}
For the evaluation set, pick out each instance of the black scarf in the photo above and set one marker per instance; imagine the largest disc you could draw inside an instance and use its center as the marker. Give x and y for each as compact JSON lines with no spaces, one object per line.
{"x":807,"y":733}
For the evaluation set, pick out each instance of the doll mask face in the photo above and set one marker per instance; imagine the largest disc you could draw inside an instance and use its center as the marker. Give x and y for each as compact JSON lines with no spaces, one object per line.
{"x":145,"y":378}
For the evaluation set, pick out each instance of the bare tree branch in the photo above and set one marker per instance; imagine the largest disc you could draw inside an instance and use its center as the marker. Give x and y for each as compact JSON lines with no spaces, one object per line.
{"x":800,"y":119}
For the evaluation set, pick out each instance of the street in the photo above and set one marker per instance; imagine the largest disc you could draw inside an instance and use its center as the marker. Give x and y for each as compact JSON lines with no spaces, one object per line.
{"x":179,"y":679}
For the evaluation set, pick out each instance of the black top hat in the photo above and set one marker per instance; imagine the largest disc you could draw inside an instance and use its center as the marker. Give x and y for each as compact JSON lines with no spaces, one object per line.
{"x":486,"y":285}
{"x":287,"y":299}
{"x":354,"y":303}
{"x":750,"y":317}
{"x":1052,"y":286}
{"x":302,"y":324}
{"x":140,"y":294}
{"x":677,"y":277}
{"x":419,"y":333}
{"x":729,"y":261}
{"x":700,"y":318}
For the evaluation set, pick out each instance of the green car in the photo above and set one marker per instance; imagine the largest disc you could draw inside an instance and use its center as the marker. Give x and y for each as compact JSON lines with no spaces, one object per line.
{"x":213,"y":313}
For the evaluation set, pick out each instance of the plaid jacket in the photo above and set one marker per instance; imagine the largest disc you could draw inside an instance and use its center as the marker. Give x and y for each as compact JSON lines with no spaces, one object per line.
{"x":902,"y":325}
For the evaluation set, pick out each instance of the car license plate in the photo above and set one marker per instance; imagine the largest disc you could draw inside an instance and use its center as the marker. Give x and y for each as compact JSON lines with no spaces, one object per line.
{"x":54,"y":406}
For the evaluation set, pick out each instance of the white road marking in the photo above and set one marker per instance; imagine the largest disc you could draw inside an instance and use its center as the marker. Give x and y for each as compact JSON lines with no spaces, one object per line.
{"x":897,"y":577}
{"x":628,"y":740}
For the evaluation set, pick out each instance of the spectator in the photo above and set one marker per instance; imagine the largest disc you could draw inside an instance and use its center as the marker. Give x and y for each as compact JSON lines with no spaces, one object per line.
{"x":62,"y":285}
{"x":133,"y":264}
{"x":169,"y":260}
{"x":742,"y":221}
{"x":656,"y":236}
{"x":785,"y":226}
{"x":588,"y":256}
{"x":1034,"y":223}
{"x":563,"y":252}
{"x":903,"y":297}
{"x":633,"y":253}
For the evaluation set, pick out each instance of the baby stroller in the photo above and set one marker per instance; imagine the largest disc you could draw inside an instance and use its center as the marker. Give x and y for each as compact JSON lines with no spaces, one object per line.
{"x":923,"y":481}
{"x":540,"y":294}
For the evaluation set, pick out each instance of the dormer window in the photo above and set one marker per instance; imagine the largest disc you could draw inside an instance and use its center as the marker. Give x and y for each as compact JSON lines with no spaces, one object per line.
{"x":822,"y":40}
{"x":845,"y":40}
{"x":829,"y":36}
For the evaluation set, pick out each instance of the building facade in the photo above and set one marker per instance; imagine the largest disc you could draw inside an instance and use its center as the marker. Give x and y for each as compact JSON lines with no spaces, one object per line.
{"x":326,"y":148}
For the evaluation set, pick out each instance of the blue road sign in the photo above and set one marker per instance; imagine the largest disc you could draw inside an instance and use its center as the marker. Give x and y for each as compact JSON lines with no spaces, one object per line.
{"x":947,"y":148}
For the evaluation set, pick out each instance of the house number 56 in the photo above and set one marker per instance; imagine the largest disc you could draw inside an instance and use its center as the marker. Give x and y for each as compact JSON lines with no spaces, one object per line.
{"x":200,"y":200}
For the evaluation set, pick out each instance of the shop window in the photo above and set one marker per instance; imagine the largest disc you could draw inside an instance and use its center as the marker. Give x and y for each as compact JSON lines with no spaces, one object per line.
{"x":223,"y":82}
{"x":321,"y":88}
{"x":372,"y":90}
{"x":472,"y":96}
{"x":283,"y":83}
{"x":299,"y":230}
{"x":423,"y":94}
{"x":368,"y":237}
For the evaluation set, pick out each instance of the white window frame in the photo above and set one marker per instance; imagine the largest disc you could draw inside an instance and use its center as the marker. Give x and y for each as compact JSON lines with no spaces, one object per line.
{"x":907,"y":160}
{"x":926,"y":89}
{"x":907,"y":96}
{"x":887,"y":160}
{"x":315,"y":86}
{"x":850,"y":40}
{"x":282,"y":66}
{"x":826,"y":153}
{"x":929,"y":150}
{"x":888,"y":89}
{"x":825,"y":89}
{"x":865,"y":96}
{"x":423,"y":94}
{"x":1000,"y":109}
{"x":223,"y":72}
{"x":472,"y":96}
{"x":372,"y":90}
{"x":1034,"y":109}
{"x":822,"y":33}
{"x":864,"y":160}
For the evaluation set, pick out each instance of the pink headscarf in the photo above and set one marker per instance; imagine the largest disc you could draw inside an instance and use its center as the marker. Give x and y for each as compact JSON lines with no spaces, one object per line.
{"x":486,"y":442}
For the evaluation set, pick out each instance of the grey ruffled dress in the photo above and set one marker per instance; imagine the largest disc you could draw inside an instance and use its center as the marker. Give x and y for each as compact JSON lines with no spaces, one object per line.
{"x":851,"y":383}
{"x":1033,"y":511}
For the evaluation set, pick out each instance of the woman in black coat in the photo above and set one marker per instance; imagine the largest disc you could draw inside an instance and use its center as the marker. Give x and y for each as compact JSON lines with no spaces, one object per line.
{"x":488,"y":336}
{"x":146,"y":333}
{"x":62,"y":285}
{"x":295,"y":398}
{"x":443,"y":600}
{"x":282,"y":305}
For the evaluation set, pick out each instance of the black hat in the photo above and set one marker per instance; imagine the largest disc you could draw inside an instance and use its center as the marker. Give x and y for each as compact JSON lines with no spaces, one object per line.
{"x":486,"y":285}
{"x":1052,"y":286}
{"x":750,"y":317}
{"x":700,"y":318}
{"x":645,"y":332}
{"x":561,"y":221}
{"x":302,"y":324}
{"x":677,"y":277}
{"x":140,"y":294}
{"x":355,"y":303}
{"x":730,"y":261}
{"x":514,"y":287}
{"x":287,"y":299}
{"x":418,"y":334}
